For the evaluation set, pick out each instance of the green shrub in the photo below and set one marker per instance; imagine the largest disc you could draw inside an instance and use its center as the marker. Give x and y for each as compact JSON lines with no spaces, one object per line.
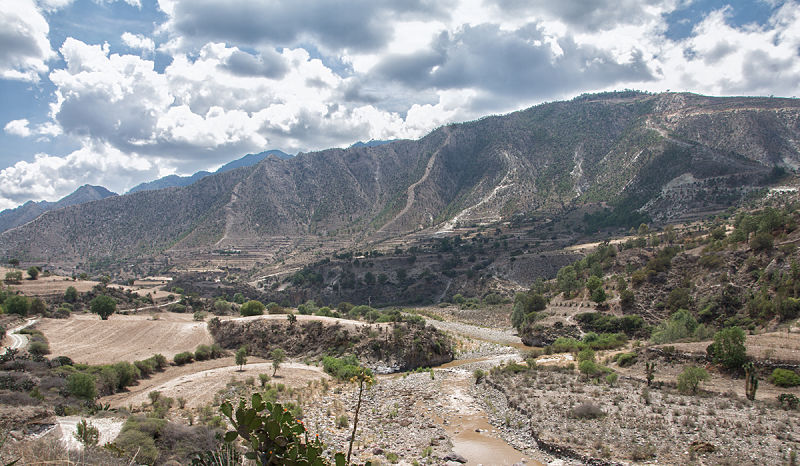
{"x":785,"y":378}
{"x":202,"y":353}
{"x":343,"y":368}
{"x":252,"y":308}
{"x":183,"y":358}
{"x":82,"y":385}
{"x":690,"y":379}
{"x":17,"y":304}
{"x":728,"y":348}
{"x":625,"y":359}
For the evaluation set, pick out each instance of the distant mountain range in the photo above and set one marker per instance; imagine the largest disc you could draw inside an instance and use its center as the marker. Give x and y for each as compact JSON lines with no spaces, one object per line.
{"x":171,"y":181}
{"x":620,"y":158}
{"x":23,"y":214}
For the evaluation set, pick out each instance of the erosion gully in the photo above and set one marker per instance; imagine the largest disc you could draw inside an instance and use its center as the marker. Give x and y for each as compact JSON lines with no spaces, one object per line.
{"x":466,"y":420}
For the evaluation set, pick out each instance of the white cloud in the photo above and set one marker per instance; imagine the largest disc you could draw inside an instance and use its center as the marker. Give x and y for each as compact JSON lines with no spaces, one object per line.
{"x":18,"y":128}
{"x":138,"y":42}
{"x":24,"y":47}
{"x":323,"y":74}
{"x":21,"y":128}
{"x":54,"y":5}
{"x":51,"y":178}
{"x":724,"y":60}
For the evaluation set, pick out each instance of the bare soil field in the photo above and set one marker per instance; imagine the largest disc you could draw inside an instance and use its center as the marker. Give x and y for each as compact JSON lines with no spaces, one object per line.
{"x":779,"y":346}
{"x":87,"y":339}
{"x":47,"y":286}
{"x":198,"y":382}
{"x":56,"y":285}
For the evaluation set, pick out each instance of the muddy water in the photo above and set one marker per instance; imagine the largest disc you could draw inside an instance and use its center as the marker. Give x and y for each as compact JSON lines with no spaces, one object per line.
{"x":467,"y":423}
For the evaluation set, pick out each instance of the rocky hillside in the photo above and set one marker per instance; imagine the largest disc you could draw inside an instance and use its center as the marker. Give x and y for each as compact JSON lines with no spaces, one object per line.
{"x":640,"y":156}
{"x":23,"y":214}
{"x":390,"y":347}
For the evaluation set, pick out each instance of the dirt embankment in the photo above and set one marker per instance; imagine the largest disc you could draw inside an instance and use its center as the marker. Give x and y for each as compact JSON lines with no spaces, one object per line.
{"x":87,"y":339}
{"x":197,"y":383}
{"x":385,"y":347}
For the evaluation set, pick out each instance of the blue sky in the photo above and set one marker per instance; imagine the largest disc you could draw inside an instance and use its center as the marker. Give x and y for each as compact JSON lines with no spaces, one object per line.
{"x":116,"y":92}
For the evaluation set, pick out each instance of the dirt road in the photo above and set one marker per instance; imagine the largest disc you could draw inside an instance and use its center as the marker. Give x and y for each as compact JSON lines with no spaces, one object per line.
{"x":18,"y":341}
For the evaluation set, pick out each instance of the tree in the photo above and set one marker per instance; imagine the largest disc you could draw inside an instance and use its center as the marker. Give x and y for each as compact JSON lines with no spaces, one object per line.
{"x":13,"y":262}
{"x":728,"y":348}
{"x":278,"y":355}
{"x":594,"y":282}
{"x":599,"y":295}
{"x":71,"y":294}
{"x":17,"y":304}
{"x":33,"y":272}
{"x":252,"y":308}
{"x":689,"y":380}
{"x":14,"y":276}
{"x":103,"y":306}
{"x":292,"y":319}
{"x":626,"y":299}
{"x":241,"y":358}
{"x":567,"y":279}
{"x":82,"y":385}
{"x":38,"y":306}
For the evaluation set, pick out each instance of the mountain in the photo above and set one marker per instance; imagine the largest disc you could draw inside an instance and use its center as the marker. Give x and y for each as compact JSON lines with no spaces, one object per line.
{"x":372,"y":143}
{"x":11,"y":218}
{"x":615,"y":159}
{"x":172,"y":181}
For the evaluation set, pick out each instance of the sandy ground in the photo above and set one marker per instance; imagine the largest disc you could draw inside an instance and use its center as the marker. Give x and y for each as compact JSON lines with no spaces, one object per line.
{"x":197,"y":383}
{"x":67,"y":426}
{"x":349,"y":324}
{"x":87,"y":339}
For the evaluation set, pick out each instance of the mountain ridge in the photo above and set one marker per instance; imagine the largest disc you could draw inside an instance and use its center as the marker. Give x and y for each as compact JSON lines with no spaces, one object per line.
{"x":29,"y":211}
{"x":626,"y":152}
{"x":171,"y":181}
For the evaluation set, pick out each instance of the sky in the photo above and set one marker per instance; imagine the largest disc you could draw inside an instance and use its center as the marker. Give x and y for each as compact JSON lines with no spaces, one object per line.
{"x":117,"y":92}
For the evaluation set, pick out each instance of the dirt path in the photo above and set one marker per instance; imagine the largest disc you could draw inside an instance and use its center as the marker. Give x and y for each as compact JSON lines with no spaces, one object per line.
{"x":197,"y":383}
{"x":411,"y":191}
{"x":18,"y":341}
{"x":87,"y":339}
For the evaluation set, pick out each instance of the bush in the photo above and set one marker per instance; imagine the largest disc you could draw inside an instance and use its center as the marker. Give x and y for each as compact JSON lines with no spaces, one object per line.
{"x":82,"y":385}
{"x":690,"y":379}
{"x":145,"y":367}
{"x":252,"y":308}
{"x":183,"y":358}
{"x":343,"y":368}
{"x":761,"y":242}
{"x":587,"y":411}
{"x":38,"y":348}
{"x":785,"y":378}
{"x":71,"y":294}
{"x":17,"y":304}
{"x":202,"y":353}
{"x":728,"y":348}
{"x":625,"y":359}
{"x":199,"y":316}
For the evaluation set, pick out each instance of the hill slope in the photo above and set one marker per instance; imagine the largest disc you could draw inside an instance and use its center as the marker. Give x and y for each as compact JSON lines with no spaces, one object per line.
{"x":665,"y":156}
{"x":11,"y":218}
{"x":173,"y":181}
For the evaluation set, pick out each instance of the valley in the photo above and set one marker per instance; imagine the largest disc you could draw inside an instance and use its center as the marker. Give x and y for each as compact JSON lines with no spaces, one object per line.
{"x":609,"y":280}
